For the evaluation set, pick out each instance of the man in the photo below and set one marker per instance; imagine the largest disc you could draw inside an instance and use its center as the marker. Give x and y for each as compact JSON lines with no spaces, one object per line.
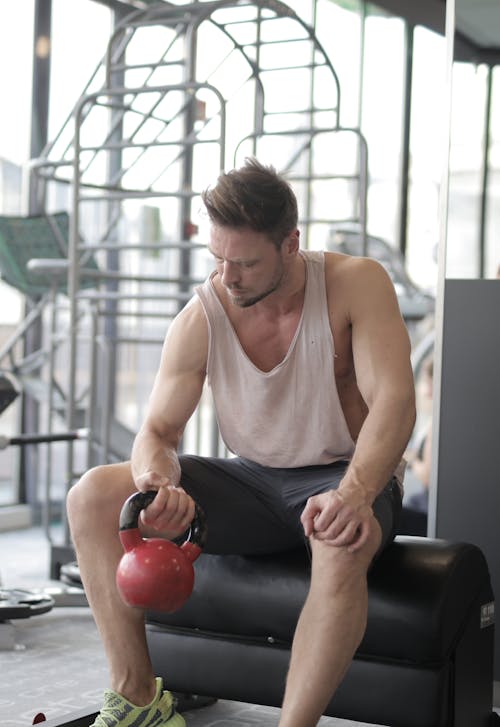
{"x":308,"y":360}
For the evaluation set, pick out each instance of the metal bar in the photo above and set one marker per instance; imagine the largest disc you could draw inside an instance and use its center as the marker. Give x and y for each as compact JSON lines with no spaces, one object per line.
{"x":41,"y":59}
{"x":92,"y":407}
{"x":299,"y":66}
{"x":135,"y":340}
{"x":108,"y":349}
{"x":47,"y":481}
{"x":124,"y":193}
{"x":124,"y":277}
{"x":155,"y":246}
{"x":73,"y":287}
{"x":405,"y":150}
{"x":133,"y":296}
{"x":308,"y":147}
{"x":27,"y":321}
{"x":485,"y":175}
{"x":139,"y":314}
{"x":121,"y":91}
{"x":41,"y":78}
{"x":127,"y":144}
{"x":155,"y":65}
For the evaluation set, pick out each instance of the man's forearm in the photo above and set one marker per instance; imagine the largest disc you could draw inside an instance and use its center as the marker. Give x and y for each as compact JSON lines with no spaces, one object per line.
{"x":380,"y":446}
{"x":152,"y":453}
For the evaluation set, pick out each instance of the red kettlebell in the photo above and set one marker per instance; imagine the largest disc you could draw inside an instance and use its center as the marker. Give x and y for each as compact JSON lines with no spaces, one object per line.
{"x":154,"y":573}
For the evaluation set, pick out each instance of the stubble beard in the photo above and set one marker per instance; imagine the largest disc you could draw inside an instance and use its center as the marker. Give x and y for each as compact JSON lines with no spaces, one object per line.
{"x":249,"y":302}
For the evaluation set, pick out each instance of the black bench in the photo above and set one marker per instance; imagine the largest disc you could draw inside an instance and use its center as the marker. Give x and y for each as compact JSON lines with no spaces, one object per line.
{"x":426,"y":659}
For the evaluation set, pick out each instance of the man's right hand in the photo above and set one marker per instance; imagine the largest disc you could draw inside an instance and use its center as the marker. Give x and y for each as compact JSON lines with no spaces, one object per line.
{"x":172,"y":510}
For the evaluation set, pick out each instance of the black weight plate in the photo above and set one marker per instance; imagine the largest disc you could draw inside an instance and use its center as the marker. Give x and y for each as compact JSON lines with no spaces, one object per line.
{"x":70,"y":573}
{"x":18,"y":603}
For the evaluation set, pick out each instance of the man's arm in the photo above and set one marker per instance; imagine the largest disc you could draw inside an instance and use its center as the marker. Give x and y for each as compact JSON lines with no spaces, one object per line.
{"x":176,"y":392}
{"x":381,"y":353}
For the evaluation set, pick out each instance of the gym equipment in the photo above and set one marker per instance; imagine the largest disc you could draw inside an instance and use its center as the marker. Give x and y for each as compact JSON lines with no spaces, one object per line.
{"x":24,"y":439}
{"x":9,"y":390}
{"x":426,"y":659}
{"x":154,"y":572}
{"x":28,"y":603}
{"x":18,"y":603}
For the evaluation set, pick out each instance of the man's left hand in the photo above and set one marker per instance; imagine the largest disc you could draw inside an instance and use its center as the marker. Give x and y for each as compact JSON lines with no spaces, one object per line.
{"x":341,"y":519}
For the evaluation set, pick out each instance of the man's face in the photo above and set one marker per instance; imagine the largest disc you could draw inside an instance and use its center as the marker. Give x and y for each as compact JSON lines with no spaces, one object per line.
{"x":249,"y":265}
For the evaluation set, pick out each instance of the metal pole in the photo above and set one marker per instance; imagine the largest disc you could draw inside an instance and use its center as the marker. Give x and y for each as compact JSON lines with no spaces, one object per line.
{"x":39,"y":124}
{"x":485,"y":176}
{"x":405,"y":146}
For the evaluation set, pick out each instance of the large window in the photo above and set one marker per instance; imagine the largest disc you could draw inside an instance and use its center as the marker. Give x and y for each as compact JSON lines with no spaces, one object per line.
{"x":16,"y":43}
{"x":466,"y":168}
{"x":80,"y":34}
{"x":428,"y":126}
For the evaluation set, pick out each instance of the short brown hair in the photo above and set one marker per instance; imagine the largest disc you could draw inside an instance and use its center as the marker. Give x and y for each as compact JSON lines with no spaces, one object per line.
{"x":254,"y":196}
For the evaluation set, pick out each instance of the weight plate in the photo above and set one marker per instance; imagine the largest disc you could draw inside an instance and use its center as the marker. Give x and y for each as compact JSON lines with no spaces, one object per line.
{"x":70,"y":573}
{"x":18,"y":603}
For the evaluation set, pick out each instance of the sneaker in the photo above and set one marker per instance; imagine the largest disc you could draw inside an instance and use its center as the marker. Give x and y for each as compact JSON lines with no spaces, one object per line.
{"x":119,"y":712}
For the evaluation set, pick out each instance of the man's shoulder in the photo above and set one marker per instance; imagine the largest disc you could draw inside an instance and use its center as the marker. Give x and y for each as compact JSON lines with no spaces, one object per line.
{"x":191,"y":318}
{"x":340,"y":267}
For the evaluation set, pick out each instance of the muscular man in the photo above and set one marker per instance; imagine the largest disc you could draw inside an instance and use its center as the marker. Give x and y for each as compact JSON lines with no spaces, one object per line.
{"x":308,"y":360}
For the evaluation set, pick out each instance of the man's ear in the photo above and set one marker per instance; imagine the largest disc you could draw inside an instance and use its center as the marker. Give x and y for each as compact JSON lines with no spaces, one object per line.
{"x":292,"y":242}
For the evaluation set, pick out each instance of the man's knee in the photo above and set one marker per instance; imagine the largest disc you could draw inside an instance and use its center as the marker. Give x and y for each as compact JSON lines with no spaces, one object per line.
{"x":336,"y":568}
{"x":98,"y":495}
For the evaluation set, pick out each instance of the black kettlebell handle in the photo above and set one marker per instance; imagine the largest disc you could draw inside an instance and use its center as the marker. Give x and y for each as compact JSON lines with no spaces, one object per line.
{"x":129,"y":517}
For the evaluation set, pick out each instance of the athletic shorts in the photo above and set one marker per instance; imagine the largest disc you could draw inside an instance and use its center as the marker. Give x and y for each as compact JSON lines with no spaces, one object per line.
{"x":251,"y":509}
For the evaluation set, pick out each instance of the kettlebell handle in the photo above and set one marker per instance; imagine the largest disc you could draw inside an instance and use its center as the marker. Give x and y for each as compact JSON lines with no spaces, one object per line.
{"x":129,"y":517}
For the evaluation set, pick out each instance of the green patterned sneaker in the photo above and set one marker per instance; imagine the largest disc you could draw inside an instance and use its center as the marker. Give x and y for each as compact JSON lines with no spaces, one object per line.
{"x":119,"y":712}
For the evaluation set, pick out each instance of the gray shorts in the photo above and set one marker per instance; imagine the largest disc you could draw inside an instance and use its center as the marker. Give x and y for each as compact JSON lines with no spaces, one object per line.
{"x":252,"y":509}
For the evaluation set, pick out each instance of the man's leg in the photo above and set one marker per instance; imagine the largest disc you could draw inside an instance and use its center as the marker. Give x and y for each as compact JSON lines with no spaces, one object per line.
{"x":94,"y":506}
{"x":238,"y":519}
{"x":329,"y":630}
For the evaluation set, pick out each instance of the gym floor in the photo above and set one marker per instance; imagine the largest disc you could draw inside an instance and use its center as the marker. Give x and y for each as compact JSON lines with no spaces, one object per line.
{"x":57,"y":666}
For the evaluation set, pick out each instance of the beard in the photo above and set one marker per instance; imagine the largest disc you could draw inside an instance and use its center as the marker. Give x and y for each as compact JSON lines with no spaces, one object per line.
{"x":242,"y":302}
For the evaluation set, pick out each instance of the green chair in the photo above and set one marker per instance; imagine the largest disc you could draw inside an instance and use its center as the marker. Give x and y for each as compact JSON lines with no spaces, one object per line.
{"x":35,"y":237}
{"x":28,"y":245}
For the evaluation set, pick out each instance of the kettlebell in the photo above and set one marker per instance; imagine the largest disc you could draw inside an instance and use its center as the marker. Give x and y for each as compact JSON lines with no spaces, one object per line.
{"x":154,"y":573}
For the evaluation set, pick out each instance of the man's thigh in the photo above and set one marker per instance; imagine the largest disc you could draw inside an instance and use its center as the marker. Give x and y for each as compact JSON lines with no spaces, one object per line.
{"x":243,"y":514}
{"x":255,"y":509}
{"x":308,"y":481}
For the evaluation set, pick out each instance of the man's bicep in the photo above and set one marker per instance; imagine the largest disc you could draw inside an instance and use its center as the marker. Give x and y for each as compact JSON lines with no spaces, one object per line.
{"x":173,"y":401}
{"x":380,"y":341}
{"x":179,"y":382}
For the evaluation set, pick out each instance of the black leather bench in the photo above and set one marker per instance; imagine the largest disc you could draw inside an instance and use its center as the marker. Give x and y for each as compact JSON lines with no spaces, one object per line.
{"x":426,"y":659}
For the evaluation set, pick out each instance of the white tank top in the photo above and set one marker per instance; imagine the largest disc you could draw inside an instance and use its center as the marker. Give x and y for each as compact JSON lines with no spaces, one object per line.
{"x":290,"y":416}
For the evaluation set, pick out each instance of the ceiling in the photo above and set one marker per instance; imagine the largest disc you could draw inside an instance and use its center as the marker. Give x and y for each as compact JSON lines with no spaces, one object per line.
{"x":477,"y":24}
{"x":479,"y":21}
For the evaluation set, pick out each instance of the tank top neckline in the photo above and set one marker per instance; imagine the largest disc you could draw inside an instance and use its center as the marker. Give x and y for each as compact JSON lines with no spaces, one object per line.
{"x":293,"y":342}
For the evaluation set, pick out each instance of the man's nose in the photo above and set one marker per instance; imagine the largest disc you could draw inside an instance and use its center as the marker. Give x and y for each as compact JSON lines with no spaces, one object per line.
{"x":230,"y":273}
